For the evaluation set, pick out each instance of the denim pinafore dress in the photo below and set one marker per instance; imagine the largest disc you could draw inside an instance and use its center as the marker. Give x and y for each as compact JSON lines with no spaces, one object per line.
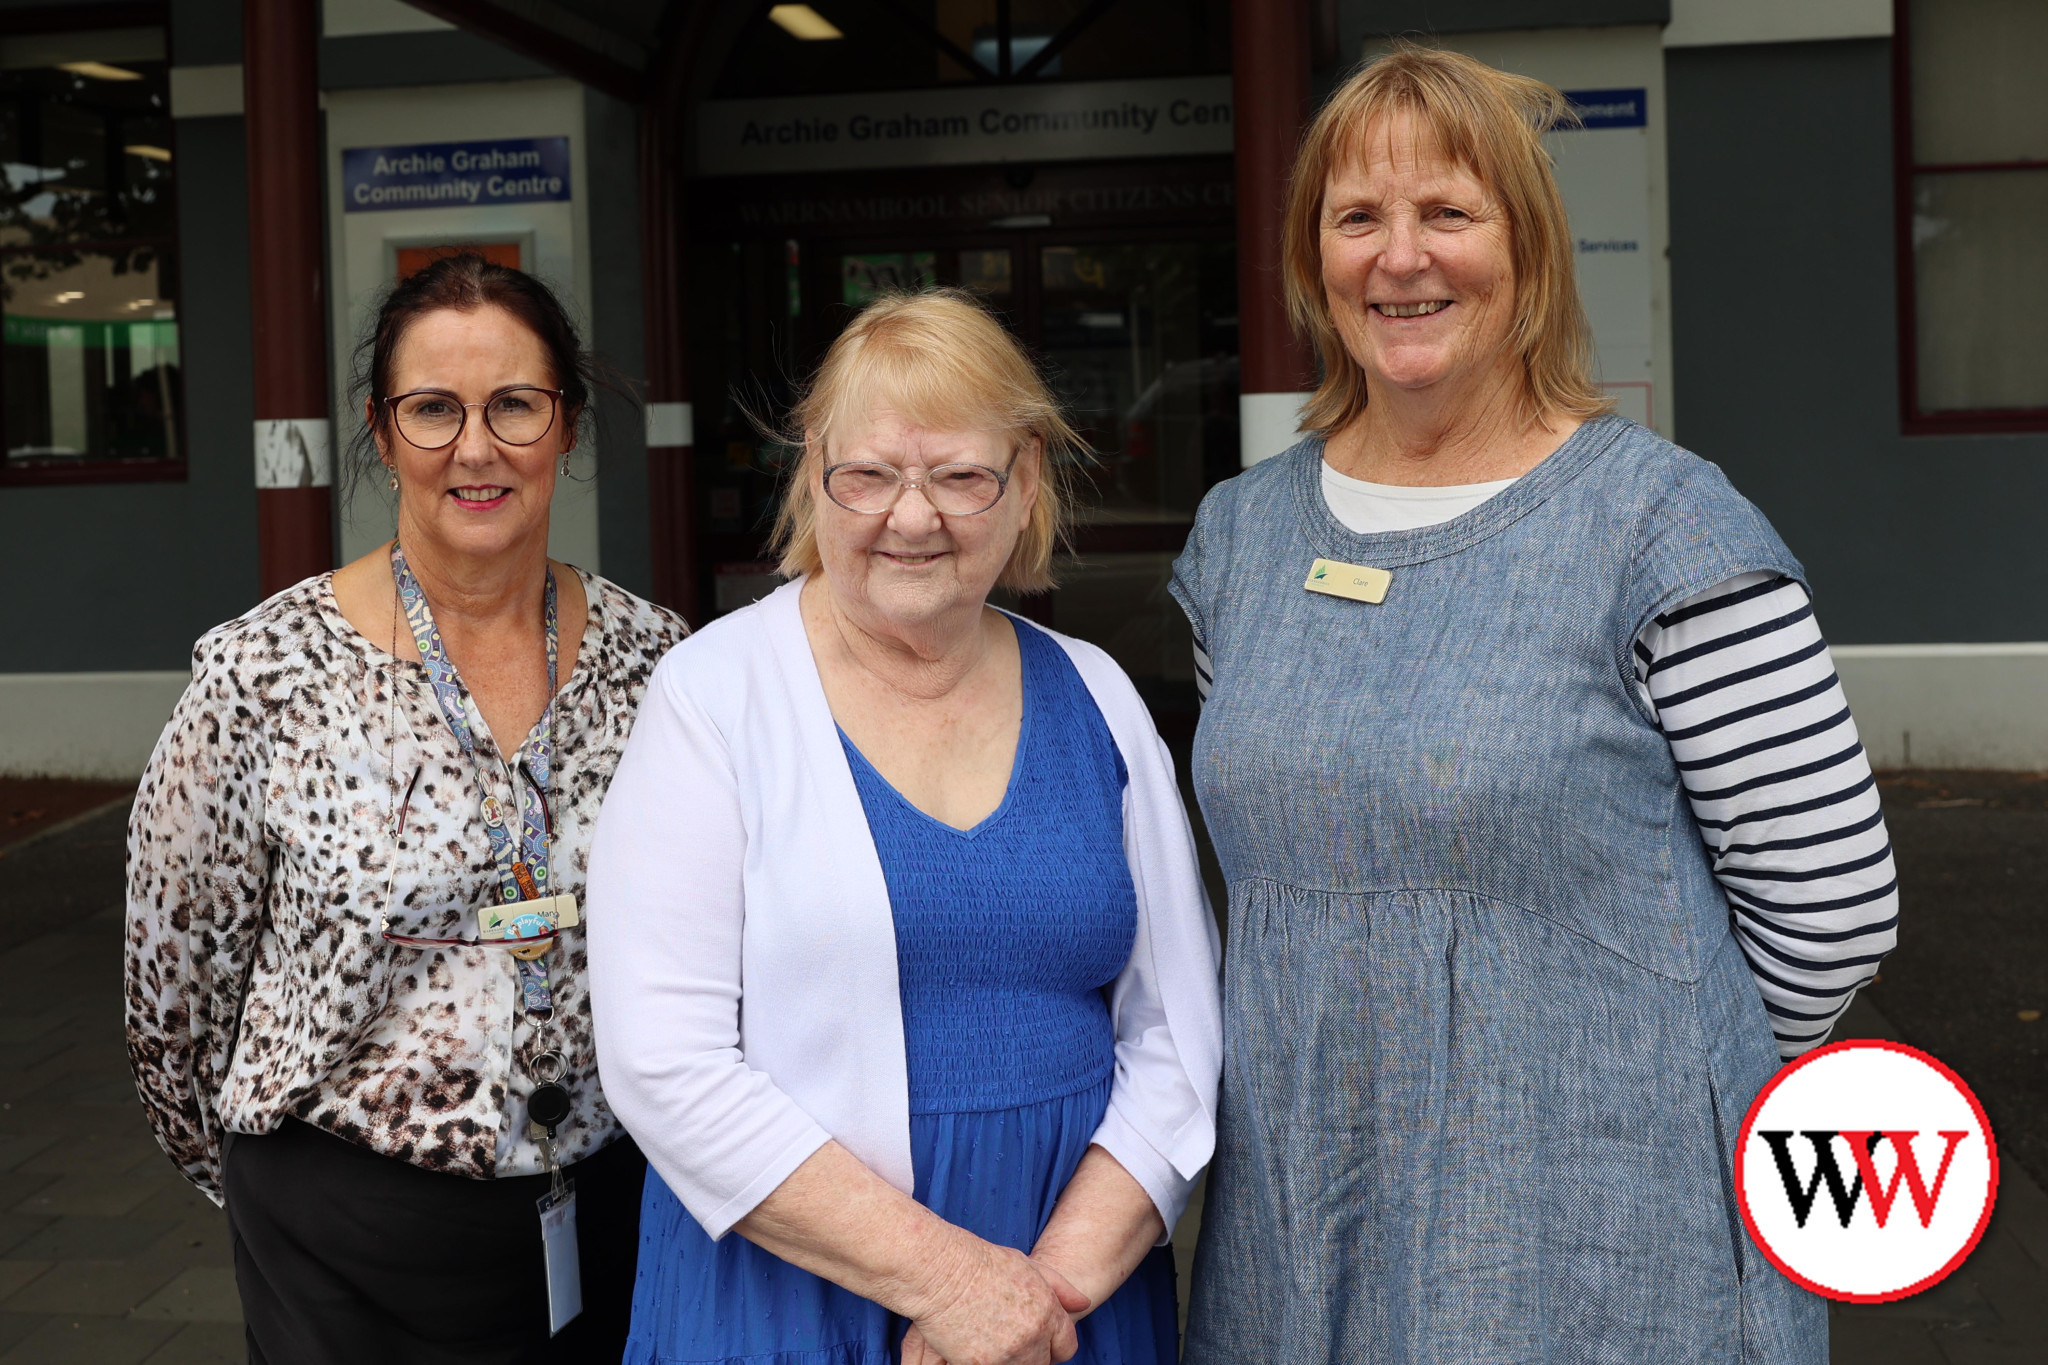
{"x":1488,"y":1036}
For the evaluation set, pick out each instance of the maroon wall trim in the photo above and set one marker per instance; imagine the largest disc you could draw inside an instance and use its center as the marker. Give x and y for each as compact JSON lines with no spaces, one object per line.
{"x":281,"y":116}
{"x":671,"y":490}
{"x":1270,"y":85}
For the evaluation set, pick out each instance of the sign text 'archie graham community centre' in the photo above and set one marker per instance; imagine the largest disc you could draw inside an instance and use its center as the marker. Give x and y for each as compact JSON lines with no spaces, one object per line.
{"x":1076,"y":120}
{"x":455,"y":174}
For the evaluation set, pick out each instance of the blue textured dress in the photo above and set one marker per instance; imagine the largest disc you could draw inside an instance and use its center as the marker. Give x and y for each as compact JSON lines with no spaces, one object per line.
{"x":1491,"y":1035}
{"x":1007,"y":937}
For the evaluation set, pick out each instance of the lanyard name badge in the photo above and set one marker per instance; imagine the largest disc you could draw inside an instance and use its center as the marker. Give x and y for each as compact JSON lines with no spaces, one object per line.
{"x":527,"y":908}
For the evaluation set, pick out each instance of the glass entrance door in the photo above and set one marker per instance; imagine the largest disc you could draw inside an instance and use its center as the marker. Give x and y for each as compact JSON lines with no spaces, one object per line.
{"x":1139,"y":337}
{"x":1141,"y":340}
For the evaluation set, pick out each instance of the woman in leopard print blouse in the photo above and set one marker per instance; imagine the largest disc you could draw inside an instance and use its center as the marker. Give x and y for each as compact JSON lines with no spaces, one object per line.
{"x":360,"y":1103}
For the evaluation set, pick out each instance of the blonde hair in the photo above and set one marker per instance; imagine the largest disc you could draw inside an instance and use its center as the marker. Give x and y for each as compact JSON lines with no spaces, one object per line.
{"x":1492,"y":123}
{"x":938,"y":359}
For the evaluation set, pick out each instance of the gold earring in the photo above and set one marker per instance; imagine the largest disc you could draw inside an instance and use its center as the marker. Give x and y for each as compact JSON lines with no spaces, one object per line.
{"x":394,"y":480}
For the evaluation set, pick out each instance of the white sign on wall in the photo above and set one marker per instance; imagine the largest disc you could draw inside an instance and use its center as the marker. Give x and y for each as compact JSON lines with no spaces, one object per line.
{"x":1611,"y":174}
{"x":1603,"y":173}
{"x":966,"y":125}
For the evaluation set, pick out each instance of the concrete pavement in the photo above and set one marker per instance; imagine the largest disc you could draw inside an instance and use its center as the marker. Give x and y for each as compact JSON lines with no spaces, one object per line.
{"x":107,"y":1256}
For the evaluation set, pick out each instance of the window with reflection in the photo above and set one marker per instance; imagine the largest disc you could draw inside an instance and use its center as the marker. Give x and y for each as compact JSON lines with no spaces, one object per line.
{"x":91,"y":385}
{"x":1974,"y":168}
{"x":1141,"y":338}
{"x":867,"y":275}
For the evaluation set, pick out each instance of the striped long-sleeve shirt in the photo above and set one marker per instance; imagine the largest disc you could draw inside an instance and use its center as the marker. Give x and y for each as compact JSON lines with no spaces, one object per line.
{"x":1744,"y":689}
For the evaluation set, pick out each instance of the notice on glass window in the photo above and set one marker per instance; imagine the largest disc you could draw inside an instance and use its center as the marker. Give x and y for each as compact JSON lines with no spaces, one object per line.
{"x":526,"y":170}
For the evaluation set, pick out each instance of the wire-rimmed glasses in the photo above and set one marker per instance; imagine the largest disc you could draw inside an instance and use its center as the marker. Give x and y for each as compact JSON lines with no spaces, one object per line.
{"x":432,"y":419}
{"x":955,"y":490}
{"x":528,"y":941}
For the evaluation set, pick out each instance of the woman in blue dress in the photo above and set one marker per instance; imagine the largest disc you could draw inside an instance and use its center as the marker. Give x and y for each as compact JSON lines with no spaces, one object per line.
{"x":903,"y":967}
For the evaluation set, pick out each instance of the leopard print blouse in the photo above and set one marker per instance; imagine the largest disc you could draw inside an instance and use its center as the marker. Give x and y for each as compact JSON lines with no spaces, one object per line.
{"x":265,"y":857}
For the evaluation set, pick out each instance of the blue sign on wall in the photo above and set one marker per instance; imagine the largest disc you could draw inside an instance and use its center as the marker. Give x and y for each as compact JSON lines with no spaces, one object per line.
{"x":522,"y":170}
{"x":1611,"y":108}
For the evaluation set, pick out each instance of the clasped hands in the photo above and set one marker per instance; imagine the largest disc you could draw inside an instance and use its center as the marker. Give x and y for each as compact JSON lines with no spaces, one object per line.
{"x":999,"y":1308}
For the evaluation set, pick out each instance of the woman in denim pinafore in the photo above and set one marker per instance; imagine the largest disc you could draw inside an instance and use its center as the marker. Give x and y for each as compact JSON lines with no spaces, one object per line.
{"x":1489,"y":1035}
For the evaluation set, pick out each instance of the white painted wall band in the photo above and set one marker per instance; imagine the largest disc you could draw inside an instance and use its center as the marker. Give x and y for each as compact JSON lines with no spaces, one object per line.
{"x":100,"y":726}
{"x":295,"y":452}
{"x":1949,"y":705}
{"x":1267,"y":423}
{"x":670,"y":424}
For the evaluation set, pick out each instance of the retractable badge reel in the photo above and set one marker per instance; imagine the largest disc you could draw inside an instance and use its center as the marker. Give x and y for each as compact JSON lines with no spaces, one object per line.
{"x":547,"y":1109}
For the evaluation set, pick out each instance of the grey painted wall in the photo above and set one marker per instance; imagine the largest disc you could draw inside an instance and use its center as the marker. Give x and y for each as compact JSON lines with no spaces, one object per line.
{"x":116,"y":576}
{"x":206,"y":32}
{"x":1786,"y":363}
{"x":372,"y":60}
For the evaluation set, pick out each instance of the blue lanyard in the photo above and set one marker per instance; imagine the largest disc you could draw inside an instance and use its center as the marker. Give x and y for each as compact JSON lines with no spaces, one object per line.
{"x":522,"y":868}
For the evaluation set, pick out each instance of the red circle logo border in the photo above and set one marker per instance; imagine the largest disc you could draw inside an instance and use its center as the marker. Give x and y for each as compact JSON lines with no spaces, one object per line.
{"x":1742,"y":1194}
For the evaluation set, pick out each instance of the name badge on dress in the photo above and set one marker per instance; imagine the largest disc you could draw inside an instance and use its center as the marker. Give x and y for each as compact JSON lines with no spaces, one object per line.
{"x":1354,"y":581}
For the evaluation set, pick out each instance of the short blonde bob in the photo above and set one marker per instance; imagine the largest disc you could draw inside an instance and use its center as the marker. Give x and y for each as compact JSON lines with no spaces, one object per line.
{"x":937,"y":359}
{"x":1492,"y":123}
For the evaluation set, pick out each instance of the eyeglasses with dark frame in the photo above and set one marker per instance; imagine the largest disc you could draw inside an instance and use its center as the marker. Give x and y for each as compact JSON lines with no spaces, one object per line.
{"x":871,"y":488}
{"x":433,"y":419}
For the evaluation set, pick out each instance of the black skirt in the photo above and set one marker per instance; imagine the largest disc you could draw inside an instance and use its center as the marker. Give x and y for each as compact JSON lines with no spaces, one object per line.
{"x":344,"y":1255}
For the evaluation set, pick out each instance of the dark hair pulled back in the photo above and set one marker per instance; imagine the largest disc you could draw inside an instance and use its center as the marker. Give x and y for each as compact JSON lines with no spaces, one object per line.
{"x":464,"y":283}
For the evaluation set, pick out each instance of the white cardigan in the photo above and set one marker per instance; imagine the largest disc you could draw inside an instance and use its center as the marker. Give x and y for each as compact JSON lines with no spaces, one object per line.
{"x":743,"y":951}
